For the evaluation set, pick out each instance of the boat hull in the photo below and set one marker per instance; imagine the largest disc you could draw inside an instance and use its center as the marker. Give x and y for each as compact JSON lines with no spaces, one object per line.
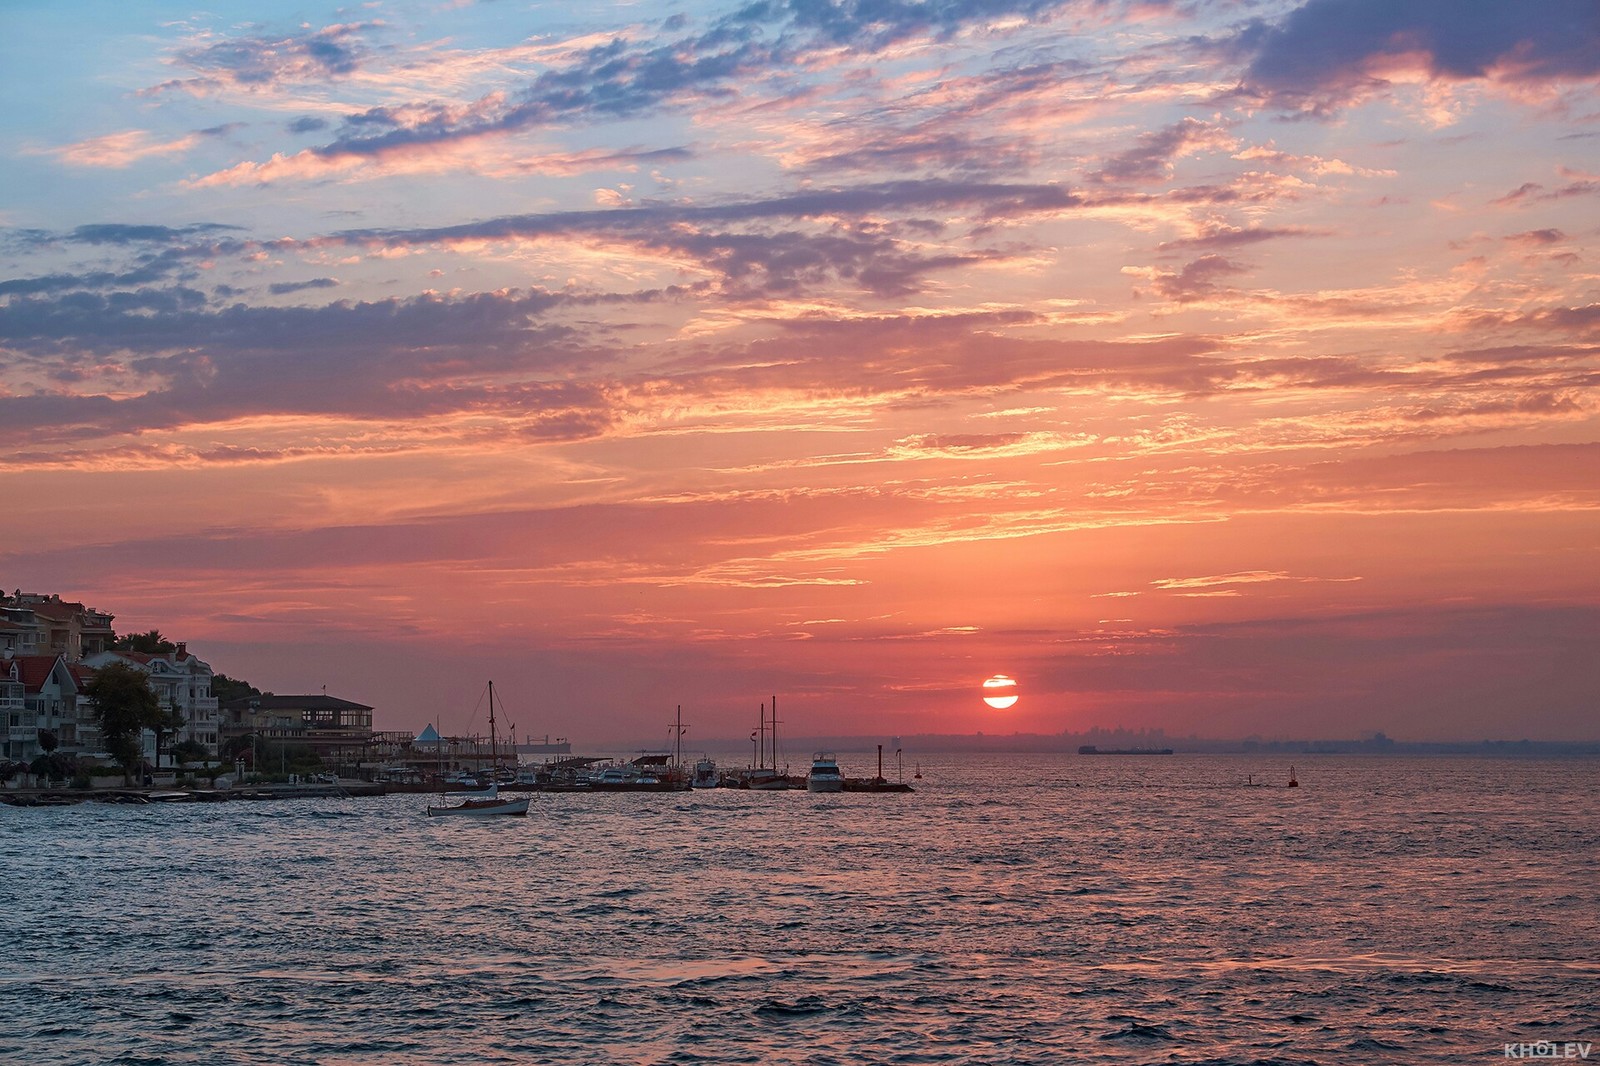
{"x":825,"y":775}
{"x":483,"y":809}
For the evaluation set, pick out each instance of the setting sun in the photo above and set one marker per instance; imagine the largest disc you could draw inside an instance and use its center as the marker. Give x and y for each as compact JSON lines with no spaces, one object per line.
{"x":1223,"y":376}
{"x":1000,"y":692}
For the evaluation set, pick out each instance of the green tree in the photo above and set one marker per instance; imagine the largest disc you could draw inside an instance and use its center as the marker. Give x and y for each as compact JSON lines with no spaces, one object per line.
{"x":151,"y":643}
{"x":189,"y":751}
{"x":46,"y":764}
{"x":125,"y":707}
{"x":55,"y":766}
{"x":169,"y":720}
{"x":227,"y":689}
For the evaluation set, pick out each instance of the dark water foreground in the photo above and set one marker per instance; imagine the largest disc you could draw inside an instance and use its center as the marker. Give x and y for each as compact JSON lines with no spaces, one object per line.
{"x":1038,"y":909}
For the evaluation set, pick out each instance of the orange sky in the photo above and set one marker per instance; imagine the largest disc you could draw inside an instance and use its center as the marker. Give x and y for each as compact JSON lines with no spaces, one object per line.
{"x":1221,"y":371}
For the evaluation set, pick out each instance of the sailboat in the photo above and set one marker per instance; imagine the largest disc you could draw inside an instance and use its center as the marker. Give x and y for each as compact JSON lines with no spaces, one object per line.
{"x":488,"y":802}
{"x":762,"y":777}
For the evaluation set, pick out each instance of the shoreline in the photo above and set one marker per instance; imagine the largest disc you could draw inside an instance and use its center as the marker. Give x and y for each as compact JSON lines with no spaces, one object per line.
{"x":69,"y":797}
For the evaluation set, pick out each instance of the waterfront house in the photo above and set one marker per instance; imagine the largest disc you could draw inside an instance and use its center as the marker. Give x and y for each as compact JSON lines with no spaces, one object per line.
{"x":180,"y":681}
{"x":41,"y":692}
{"x":33,"y":623}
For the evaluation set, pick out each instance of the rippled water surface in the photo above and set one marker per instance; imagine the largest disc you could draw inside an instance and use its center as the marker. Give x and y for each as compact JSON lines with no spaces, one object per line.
{"x":1027,"y":909}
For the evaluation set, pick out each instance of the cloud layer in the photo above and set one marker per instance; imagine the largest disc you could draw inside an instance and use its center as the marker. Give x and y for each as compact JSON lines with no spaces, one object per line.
{"x":959,"y":326}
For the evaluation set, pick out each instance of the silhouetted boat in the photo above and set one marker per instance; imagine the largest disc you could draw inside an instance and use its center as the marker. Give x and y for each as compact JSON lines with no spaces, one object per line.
{"x":484,"y":808}
{"x":760,"y":776}
{"x":488,"y":802}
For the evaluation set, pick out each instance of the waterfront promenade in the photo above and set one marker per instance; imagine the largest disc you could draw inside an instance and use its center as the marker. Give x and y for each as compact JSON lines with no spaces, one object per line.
{"x":61,"y":797}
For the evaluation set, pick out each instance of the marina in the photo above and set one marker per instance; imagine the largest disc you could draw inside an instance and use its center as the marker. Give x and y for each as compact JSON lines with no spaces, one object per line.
{"x":649,"y":774}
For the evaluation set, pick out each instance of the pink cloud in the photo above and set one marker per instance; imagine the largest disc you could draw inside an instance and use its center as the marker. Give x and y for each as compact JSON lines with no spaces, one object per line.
{"x":120,"y":150}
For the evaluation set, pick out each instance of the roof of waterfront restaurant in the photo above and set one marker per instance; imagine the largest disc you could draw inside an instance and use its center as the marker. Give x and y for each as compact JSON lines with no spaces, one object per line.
{"x":316,"y":701}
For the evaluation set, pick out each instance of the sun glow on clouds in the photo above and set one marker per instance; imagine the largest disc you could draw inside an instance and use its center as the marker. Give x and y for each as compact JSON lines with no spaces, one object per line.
{"x":630,"y":348}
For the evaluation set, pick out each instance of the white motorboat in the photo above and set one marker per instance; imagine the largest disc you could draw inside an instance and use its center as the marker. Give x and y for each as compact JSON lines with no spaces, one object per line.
{"x":705,"y":775}
{"x":825,"y":775}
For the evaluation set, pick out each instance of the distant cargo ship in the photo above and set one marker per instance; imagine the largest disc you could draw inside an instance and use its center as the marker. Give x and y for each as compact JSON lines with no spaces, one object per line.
{"x":559,"y":746}
{"x":1090,"y":749}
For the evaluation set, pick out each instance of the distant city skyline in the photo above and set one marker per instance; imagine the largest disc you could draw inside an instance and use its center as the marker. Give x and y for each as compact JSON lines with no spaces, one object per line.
{"x":1222,"y":369}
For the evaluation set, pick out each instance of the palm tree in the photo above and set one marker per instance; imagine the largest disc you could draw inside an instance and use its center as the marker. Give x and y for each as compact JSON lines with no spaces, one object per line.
{"x":150,"y":643}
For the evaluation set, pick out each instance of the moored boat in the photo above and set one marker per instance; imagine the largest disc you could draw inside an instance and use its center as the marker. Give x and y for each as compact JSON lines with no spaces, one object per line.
{"x":647,"y":773}
{"x":705,"y":774}
{"x":825,"y":775}
{"x":765,"y":779}
{"x":761,"y":776}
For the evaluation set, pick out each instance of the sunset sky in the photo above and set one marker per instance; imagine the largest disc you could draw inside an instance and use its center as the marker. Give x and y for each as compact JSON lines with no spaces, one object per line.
{"x":1227,"y":368}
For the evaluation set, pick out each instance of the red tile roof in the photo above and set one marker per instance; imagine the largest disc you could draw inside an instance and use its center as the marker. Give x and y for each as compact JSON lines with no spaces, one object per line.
{"x":32,"y":670}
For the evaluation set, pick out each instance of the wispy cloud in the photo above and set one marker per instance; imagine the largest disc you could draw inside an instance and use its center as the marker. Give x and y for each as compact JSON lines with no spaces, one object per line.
{"x":117,"y":151}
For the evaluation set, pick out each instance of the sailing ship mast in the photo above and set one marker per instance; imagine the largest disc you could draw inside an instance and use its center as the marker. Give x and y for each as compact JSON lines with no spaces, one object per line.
{"x":677,"y":741}
{"x":494,"y":747}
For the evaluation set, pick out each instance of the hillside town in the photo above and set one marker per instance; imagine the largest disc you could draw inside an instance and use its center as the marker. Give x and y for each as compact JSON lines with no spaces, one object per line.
{"x":51,"y":649}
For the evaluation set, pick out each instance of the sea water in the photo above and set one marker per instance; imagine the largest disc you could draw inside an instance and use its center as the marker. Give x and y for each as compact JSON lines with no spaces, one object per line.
{"x":1014,"y":909}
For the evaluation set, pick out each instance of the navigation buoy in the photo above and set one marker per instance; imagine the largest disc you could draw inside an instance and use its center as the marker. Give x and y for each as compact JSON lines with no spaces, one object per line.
{"x":1292,"y":782}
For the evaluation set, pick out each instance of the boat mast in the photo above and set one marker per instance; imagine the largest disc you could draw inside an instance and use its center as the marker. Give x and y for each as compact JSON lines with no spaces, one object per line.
{"x":494,"y":748}
{"x":774,"y":731}
{"x":677,"y":742}
{"x":761,"y":756}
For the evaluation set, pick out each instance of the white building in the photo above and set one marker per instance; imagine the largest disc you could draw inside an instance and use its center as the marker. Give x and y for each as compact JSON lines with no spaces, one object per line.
{"x":43,"y":692}
{"x":180,"y":681}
